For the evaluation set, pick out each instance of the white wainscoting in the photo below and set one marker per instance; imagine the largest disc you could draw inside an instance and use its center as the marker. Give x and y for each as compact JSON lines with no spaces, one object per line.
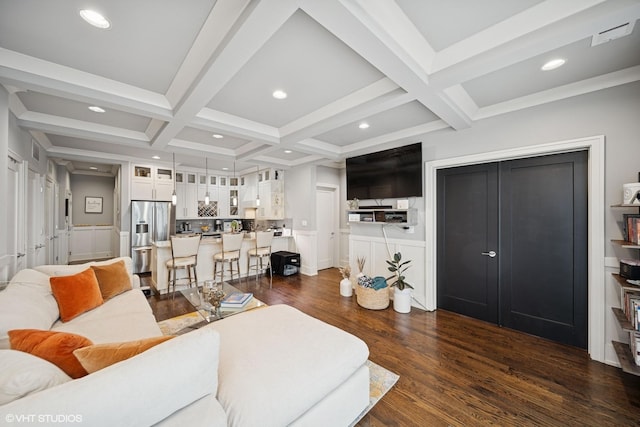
{"x":344,"y":246}
{"x":375,"y":250}
{"x":91,"y":242}
{"x":307,"y":247}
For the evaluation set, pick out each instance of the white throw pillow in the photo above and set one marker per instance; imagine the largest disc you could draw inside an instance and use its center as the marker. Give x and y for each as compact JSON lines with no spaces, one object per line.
{"x":27,"y":303}
{"x":23,"y":374}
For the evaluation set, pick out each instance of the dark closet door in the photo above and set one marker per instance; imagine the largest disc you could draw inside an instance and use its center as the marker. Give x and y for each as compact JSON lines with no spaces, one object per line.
{"x":543,"y":246}
{"x":467,"y":227}
{"x":531,"y":214}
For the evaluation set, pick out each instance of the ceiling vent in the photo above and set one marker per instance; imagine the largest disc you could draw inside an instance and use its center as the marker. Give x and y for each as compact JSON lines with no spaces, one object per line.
{"x":612,"y":33}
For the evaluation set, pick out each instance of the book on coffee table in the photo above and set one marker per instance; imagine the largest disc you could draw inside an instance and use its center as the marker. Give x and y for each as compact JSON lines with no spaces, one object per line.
{"x":236,"y":300}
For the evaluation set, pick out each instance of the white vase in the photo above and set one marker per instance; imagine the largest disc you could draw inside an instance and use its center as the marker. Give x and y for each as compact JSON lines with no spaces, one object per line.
{"x":346,"y":289}
{"x":402,"y":300}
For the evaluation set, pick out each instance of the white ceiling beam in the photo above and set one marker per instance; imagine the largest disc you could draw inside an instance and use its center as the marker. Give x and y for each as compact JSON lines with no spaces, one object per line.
{"x":218,"y":121}
{"x":359,"y":28}
{"x":31,"y":73}
{"x":397,"y":138}
{"x":80,"y":129}
{"x":479,"y":61}
{"x":375,"y":98}
{"x":210,"y":37}
{"x":593,"y":84}
{"x":200,"y":148}
{"x":253,"y":29}
{"x":75,"y":154}
{"x":247,"y":151}
{"x":526,"y":22}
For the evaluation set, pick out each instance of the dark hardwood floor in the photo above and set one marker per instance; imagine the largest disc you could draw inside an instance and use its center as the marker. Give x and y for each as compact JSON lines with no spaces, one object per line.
{"x":457,"y":371}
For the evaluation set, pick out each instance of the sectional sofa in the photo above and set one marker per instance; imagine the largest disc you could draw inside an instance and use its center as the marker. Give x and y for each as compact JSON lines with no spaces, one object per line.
{"x":272,"y":366}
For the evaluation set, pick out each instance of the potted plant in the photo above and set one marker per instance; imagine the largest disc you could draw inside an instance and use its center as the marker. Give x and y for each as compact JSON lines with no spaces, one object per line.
{"x":346,"y":288}
{"x":402,"y":292}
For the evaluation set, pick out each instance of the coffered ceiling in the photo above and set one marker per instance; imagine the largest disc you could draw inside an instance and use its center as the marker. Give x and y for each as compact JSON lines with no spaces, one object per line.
{"x":171,"y":74}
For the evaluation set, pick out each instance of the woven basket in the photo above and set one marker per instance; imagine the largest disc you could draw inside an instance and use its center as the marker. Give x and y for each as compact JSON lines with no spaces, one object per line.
{"x":372,"y":299}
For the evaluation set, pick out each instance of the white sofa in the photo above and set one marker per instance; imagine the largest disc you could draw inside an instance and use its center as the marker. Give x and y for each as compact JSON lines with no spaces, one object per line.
{"x":272,"y":366}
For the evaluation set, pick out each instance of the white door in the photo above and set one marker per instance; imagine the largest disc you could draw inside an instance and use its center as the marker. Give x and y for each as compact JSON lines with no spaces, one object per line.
{"x":17,"y":235}
{"x":36,"y":251}
{"x":326,"y":219}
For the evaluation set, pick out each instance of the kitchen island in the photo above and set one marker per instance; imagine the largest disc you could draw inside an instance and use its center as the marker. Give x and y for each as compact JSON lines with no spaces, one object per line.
{"x":161,"y":253}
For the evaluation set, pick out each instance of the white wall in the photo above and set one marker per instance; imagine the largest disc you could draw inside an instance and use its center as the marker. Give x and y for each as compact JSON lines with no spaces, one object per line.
{"x":614,"y":113}
{"x":4,"y":152}
{"x":20,"y":142}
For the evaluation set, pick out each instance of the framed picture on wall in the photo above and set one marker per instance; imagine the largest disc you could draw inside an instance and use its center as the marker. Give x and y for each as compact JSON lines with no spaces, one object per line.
{"x":93,"y":205}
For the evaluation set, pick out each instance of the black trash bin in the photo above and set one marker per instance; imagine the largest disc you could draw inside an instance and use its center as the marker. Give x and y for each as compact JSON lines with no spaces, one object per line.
{"x":285,"y":263}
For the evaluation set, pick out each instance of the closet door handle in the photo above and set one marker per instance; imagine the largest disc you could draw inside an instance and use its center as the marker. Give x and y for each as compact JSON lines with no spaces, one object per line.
{"x":491,"y":254}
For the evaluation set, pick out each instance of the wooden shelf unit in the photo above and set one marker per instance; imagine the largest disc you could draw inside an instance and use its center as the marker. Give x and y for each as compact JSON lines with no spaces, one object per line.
{"x":625,"y":244}
{"x":623,"y":351}
{"x":626,"y":358}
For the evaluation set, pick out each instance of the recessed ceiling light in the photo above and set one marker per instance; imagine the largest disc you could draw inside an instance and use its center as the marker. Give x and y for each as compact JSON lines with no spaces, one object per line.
{"x":93,"y":168}
{"x":94,"y":18}
{"x":217,"y":136}
{"x":553,"y":64}
{"x":288,"y":151}
{"x":279,"y":94}
{"x":363,"y":125}
{"x":225,"y":169}
{"x":155,"y":157}
{"x":97,"y":109}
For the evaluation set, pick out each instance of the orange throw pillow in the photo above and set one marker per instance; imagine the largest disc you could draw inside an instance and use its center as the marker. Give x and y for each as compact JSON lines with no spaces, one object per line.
{"x":76,"y":294}
{"x":95,"y":357}
{"x":52,"y":346}
{"x":113,"y":279}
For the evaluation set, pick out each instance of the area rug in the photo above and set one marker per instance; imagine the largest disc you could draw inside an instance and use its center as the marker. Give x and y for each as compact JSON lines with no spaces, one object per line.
{"x":380,"y":382}
{"x":380,"y":379}
{"x":176,"y":324}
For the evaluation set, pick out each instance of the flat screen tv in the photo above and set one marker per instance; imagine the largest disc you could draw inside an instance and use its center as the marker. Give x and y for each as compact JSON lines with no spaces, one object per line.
{"x":388,"y":174}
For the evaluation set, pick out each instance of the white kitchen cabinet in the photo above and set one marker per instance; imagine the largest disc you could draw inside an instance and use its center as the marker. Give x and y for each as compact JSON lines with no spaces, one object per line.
{"x":187,"y":192}
{"x":151,"y":183}
{"x":271,"y":192}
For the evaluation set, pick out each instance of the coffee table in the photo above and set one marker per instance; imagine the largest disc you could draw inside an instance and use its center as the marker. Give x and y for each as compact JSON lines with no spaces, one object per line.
{"x":194,"y":296}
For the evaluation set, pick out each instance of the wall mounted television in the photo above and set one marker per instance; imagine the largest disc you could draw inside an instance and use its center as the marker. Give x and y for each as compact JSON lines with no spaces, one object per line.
{"x":390,"y":174}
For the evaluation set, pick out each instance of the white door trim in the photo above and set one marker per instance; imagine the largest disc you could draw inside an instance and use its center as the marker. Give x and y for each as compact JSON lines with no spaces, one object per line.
{"x":335,"y":190}
{"x":596,"y":183}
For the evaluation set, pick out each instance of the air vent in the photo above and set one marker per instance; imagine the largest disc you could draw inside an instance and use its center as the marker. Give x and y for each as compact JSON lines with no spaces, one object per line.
{"x":612,"y":33}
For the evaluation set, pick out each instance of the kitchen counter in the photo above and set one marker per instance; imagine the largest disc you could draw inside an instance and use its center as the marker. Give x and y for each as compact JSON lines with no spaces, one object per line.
{"x":161,"y":253}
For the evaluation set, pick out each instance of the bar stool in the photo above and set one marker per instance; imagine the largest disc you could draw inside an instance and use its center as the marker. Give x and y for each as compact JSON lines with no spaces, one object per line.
{"x":231,"y":245}
{"x":184,"y":254}
{"x":261,"y":250}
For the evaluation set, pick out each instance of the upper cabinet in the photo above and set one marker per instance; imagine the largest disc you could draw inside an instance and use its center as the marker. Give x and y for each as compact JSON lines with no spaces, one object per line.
{"x":187,"y":194}
{"x":151,"y":183}
{"x":271,"y":194}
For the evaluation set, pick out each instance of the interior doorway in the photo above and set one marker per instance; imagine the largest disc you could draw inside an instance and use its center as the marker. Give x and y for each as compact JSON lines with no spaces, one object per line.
{"x":512,"y":244}
{"x":327,"y":223}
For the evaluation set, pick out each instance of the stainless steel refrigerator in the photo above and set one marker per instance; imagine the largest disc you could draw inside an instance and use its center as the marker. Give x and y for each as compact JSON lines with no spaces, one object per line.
{"x":150,"y":222}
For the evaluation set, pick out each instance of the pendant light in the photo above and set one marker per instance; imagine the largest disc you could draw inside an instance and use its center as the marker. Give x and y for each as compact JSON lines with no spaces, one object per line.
{"x":207,"y":198}
{"x":174,"y":196}
{"x":258,"y":185}
{"x":234,"y":200}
